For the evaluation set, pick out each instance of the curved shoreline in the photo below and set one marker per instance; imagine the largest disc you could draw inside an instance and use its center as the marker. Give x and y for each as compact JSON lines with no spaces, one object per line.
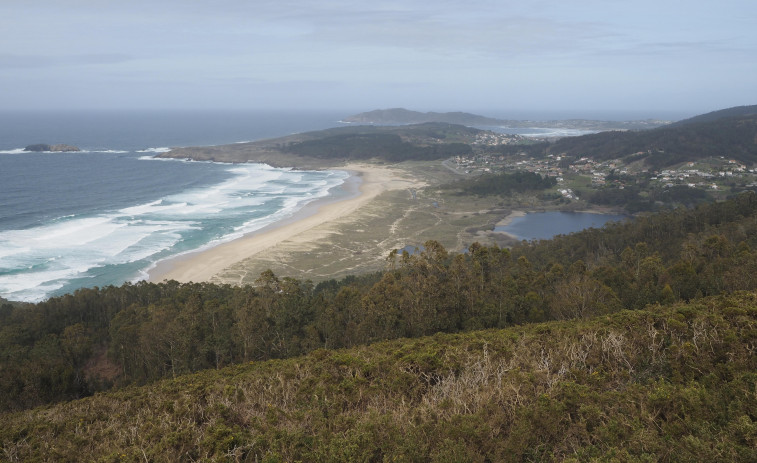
{"x":367,"y":182}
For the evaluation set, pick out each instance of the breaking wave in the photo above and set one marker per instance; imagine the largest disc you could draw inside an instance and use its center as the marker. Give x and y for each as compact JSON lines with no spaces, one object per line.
{"x":119,"y":245}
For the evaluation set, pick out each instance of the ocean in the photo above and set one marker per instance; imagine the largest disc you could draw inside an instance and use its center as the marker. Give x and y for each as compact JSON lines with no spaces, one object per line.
{"x":107,"y":214}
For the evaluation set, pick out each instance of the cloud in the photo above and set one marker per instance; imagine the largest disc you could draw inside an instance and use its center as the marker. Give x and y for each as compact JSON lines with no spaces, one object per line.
{"x":480,"y":29}
{"x":10,"y":61}
{"x":404,"y":49}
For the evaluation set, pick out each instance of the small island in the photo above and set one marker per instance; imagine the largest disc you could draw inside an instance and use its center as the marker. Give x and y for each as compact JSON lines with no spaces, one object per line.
{"x":59,"y":148}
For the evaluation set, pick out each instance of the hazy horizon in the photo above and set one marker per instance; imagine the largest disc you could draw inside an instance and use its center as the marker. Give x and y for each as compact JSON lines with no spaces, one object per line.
{"x":480,"y":56}
{"x":338,"y":113}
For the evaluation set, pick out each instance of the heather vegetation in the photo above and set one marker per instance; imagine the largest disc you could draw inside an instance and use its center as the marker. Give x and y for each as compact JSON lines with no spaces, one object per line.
{"x":668,"y":383}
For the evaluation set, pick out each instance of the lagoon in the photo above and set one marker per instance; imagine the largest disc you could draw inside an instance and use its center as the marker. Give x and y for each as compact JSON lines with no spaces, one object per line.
{"x":545,"y":225}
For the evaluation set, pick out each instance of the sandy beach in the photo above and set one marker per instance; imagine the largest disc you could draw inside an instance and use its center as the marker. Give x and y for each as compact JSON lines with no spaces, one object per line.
{"x":509,"y":218}
{"x":507,"y":221}
{"x":204,"y":265}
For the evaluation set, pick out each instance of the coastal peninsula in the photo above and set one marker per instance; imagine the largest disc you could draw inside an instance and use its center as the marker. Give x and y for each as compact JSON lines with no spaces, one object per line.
{"x":390,"y":204}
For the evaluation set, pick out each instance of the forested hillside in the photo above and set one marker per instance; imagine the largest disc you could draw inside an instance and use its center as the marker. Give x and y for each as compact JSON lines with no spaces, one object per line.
{"x":668,"y":383}
{"x":731,"y":137}
{"x":71,"y":346}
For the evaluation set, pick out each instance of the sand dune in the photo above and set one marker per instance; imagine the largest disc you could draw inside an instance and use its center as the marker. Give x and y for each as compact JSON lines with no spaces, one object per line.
{"x":367,"y":182}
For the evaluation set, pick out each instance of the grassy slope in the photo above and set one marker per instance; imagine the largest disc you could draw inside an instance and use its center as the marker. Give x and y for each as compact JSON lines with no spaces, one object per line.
{"x":278,"y":152}
{"x":675,"y":383}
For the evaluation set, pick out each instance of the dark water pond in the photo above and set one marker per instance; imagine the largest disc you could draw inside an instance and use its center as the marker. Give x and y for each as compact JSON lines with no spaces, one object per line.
{"x":545,"y":225}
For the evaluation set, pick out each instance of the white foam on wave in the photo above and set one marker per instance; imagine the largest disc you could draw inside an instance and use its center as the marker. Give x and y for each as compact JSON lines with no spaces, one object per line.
{"x":293,"y":203}
{"x":185,"y":160}
{"x":82,"y":151}
{"x":551,"y":132}
{"x":34,"y":287}
{"x":37,"y":261}
{"x":162,"y":149}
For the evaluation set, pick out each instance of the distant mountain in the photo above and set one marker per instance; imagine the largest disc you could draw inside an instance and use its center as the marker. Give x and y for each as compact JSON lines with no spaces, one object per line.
{"x":401,"y":116}
{"x":398,"y":116}
{"x":736,"y":111}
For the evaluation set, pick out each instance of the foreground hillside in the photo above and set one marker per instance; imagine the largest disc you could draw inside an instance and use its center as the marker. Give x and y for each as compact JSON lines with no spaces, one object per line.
{"x":668,"y":383}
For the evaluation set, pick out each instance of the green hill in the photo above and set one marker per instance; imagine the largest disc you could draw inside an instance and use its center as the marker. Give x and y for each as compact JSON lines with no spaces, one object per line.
{"x":731,"y":134}
{"x":736,"y":111}
{"x":733,"y":138}
{"x":326,"y":148}
{"x":669,"y":383}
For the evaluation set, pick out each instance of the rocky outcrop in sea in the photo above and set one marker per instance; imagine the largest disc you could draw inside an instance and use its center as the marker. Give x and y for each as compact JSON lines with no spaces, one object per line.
{"x":55,"y":148}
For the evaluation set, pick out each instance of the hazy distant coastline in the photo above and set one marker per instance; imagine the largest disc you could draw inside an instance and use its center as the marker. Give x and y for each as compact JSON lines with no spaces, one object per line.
{"x":401,"y":116}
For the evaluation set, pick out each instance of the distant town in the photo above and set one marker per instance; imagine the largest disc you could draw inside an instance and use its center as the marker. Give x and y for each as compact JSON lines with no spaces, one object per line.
{"x":714,"y":174}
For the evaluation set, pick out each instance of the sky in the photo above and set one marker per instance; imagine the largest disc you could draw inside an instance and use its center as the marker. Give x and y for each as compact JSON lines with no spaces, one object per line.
{"x":496,"y":56}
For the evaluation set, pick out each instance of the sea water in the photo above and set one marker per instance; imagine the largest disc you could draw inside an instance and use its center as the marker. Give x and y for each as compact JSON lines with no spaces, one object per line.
{"x":107,"y":214}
